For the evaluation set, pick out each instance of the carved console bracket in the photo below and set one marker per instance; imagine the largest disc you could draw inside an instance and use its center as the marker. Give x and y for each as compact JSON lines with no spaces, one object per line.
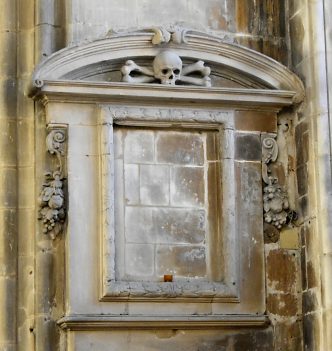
{"x":52,"y":211}
{"x":275,"y":199}
{"x":167,"y":69}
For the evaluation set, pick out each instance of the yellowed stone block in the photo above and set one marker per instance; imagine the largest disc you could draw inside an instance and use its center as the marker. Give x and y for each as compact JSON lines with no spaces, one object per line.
{"x":289,"y":239}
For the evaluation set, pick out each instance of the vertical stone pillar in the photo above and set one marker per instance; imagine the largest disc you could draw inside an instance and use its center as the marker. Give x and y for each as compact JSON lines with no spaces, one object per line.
{"x":8,"y":176}
{"x":50,"y":31}
{"x":25,"y":168}
{"x":327,"y":240}
{"x":49,"y":37}
{"x":310,"y":60}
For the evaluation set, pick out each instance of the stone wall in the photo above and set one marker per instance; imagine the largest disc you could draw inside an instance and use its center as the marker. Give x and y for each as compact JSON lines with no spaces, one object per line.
{"x":32,"y":30}
{"x":260,"y":25}
{"x":311,"y":43}
{"x":8,"y":176}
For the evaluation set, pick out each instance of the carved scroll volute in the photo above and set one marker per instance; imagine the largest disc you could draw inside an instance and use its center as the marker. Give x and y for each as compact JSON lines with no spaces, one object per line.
{"x":52,"y":211}
{"x":275,"y":199}
{"x":269,"y":154}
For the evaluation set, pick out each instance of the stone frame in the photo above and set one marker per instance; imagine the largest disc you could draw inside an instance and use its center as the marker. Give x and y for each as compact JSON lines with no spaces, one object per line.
{"x":72,"y":80}
{"x":112,"y":289}
{"x":96,"y":106}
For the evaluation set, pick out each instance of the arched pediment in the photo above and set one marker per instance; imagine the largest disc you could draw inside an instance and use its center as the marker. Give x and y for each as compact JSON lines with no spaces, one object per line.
{"x":232,"y":66}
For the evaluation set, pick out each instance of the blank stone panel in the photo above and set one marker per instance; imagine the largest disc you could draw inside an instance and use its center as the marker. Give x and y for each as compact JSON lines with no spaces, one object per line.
{"x":180,"y":148}
{"x":154,"y":184}
{"x":187,"y":186}
{"x":138,"y":225}
{"x":139,"y":260}
{"x":182,"y":226}
{"x":181,"y":261}
{"x":131,"y":179}
{"x":118,"y":145}
{"x":139,"y":147}
{"x":165,"y":223}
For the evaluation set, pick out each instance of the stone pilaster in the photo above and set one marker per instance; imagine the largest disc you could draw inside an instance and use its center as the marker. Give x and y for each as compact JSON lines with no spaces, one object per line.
{"x":8,"y":176}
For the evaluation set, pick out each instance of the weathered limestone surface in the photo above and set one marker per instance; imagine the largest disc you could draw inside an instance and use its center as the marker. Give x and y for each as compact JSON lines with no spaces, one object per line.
{"x":8,"y":177}
{"x":30,"y":286}
{"x":311,"y":51}
{"x":261,"y":26}
{"x":166,"y":202}
{"x":178,"y":340}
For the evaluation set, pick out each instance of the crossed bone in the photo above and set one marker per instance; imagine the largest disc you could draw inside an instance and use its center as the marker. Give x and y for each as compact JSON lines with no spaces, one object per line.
{"x":147,"y":75}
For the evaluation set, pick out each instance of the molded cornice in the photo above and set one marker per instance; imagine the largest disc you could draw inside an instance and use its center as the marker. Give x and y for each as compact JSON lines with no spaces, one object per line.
{"x":102,"y":322}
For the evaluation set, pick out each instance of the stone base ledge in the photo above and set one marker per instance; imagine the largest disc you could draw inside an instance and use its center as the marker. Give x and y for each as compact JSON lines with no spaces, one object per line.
{"x":102,"y":322}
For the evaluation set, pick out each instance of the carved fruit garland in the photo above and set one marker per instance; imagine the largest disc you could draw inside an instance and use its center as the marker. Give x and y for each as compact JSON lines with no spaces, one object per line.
{"x":52,"y":198}
{"x":276,"y":206}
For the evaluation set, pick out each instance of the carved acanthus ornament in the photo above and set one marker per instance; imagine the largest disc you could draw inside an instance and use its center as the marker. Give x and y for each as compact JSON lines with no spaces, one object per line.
{"x":276,"y":206}
{"x":167,"y":68}
{"x":52,"y":197}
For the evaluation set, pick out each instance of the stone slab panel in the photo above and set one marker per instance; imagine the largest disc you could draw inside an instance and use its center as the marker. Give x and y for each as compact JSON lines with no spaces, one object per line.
{"x":8,"y":11}
{"x":281,"y":271}
{"x":182,"y":261}
{"x":131,"y":180}
{"x":248,"y":147}
{"x":139,"y":147}
{"x":302,"y":143}
{"x":154,"y":185}
{"x":285,"y":305}
{"x":256,"y":121}
{"x":213,"y":146}
{"x":250,"y":235}
{"x":118,"y":148}
{"x":8,"y":143}
{"x":226,"y":339}
{"x":297,"y":34}
{"x":187,"y":186}
{"x":26,"y":137}
{"x":26,"y":223}
{"x":311,"y":331}
{"x":139,"y":260}
{"x":180,"y":148}
{"x":289,"y":239}
{"x":93,"y":21}
{"x":78,"y":114}
{"x":7,"y":56}
{"x":8,"y":95}
{"x":186,"y":226}
{"x":8,"y":290}
{"x":8,"y":182}
{"x":88,"y":135}
{"x":8,"y":242}
{"x":138,"y":225}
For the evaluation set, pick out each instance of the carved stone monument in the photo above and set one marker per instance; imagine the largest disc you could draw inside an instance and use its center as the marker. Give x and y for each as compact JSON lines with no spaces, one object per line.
{"x":164,"y":165}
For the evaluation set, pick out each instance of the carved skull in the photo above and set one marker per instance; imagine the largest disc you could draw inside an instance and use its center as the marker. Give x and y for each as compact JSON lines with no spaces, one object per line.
{"x":167,"y":67}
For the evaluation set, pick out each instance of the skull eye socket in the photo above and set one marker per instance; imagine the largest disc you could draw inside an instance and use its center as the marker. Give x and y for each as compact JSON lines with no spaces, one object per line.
{"x":176,"y":71}
{"x":164,"y":71}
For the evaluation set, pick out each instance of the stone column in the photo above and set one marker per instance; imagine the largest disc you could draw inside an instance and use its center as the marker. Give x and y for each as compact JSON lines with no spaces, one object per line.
{"x":327,"y":240}
{"x":311,"y":50}
{"x":25,"y":168}
{"x":49,"y":37}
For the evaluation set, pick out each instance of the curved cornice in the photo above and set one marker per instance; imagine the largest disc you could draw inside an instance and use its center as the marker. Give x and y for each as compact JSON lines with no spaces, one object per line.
{"x":213,"y":50}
